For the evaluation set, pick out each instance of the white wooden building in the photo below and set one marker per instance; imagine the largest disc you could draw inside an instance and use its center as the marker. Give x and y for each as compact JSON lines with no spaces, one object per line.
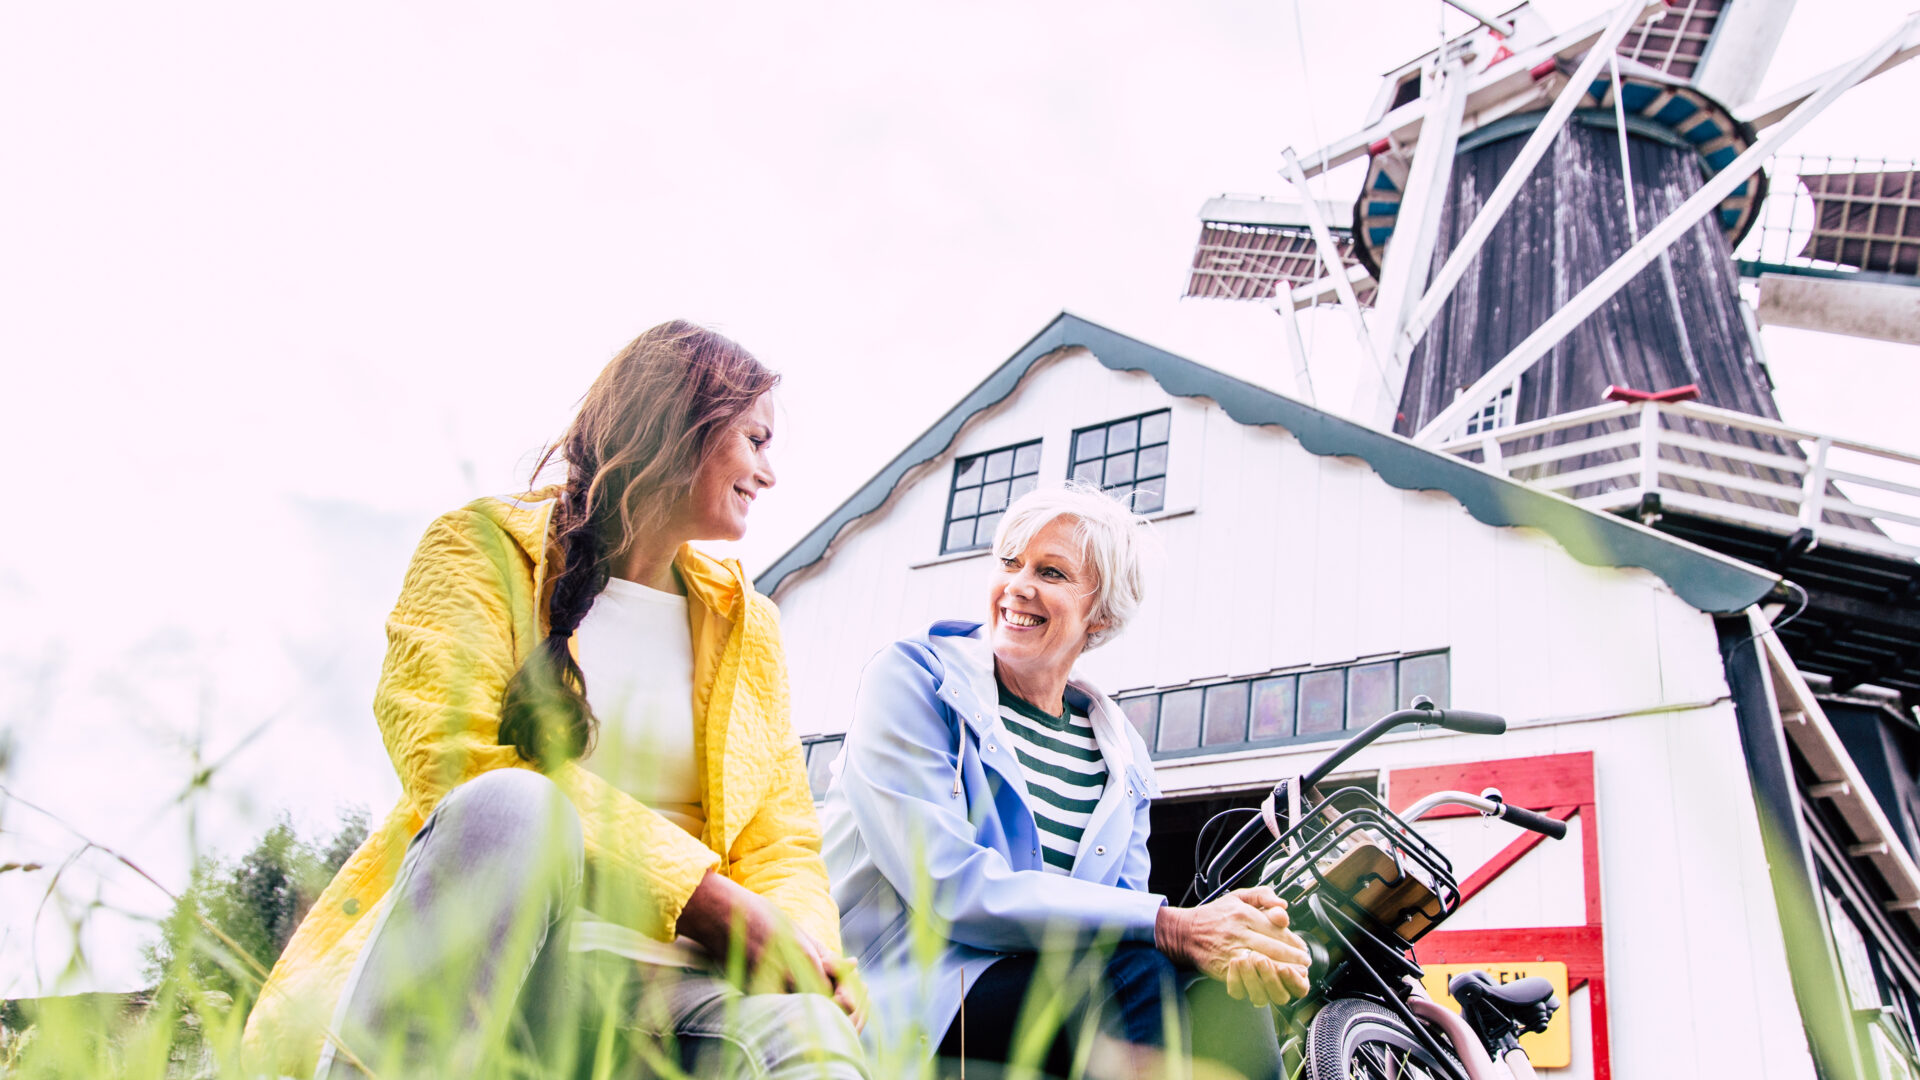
{"x":1316,"y":574}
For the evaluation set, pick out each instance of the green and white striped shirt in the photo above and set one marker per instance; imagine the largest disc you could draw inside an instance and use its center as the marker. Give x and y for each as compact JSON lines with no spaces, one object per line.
{"x":1064,"y":771}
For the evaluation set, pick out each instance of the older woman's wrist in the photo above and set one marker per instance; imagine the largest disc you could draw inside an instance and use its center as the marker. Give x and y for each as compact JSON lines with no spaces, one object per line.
{"x":1170,"y":932}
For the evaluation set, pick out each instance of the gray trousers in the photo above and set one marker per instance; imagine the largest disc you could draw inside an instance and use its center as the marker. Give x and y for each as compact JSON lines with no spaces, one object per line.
{"x":469,"y":973}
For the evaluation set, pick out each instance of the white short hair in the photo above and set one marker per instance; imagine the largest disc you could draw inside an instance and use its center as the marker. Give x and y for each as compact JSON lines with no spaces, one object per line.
{"x":1111,"y":540}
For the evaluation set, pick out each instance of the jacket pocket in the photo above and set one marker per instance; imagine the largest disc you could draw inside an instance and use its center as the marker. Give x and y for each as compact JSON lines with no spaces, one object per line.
{"x":860,"y":922}
{"x":870,"y":957}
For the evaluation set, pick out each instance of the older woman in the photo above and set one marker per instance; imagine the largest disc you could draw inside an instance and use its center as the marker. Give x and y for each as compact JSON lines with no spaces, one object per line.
{"x":987,"y":832}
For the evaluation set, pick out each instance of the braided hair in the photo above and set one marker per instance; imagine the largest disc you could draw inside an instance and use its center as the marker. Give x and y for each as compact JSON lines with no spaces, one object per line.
{"x":644,"y":428}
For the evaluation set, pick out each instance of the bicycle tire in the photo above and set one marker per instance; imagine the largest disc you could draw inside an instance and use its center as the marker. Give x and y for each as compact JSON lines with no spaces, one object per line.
{"x":1351,"y":1039}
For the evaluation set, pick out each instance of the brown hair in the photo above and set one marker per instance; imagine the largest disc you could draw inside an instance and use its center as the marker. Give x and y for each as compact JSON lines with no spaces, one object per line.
{"x":644,"y":428}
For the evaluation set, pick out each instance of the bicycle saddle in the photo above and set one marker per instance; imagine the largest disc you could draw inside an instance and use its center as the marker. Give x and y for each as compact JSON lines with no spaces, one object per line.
{"x":1527,"y":1004}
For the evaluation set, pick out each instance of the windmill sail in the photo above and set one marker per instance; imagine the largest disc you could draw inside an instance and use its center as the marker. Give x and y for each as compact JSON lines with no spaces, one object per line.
{"x":1675,"y":43}
{"x":1867,"y":220}
{"x":1250,"y":246}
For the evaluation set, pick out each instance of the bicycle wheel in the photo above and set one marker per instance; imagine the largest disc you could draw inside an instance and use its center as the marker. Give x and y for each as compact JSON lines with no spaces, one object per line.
{"x":1358,"y":1040}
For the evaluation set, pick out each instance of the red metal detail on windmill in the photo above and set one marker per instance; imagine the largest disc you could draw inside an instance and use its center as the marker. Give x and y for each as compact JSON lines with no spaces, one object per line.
{"x":1689,"y":392}
{"x":1380,"y":147}
{"x":1561,"y":786}
{"x":1544,"y":68}
{"x":1503,"y":53}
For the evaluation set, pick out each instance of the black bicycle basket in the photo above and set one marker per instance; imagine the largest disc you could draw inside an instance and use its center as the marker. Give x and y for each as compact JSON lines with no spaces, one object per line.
{"x":1358,"y":855}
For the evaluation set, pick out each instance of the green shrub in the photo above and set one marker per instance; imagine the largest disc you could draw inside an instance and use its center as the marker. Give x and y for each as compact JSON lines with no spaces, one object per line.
{"x":256,"y":901}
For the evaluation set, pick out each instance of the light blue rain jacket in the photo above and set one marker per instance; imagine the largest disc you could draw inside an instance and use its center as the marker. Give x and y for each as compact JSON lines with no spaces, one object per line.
{"x":928,"y":801}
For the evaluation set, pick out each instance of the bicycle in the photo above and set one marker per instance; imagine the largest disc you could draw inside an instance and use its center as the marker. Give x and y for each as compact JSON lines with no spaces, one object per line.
{"x":1363,"y":886}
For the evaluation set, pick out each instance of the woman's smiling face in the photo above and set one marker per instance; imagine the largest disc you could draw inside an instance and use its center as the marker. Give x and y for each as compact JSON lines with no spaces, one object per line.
{"x":1039,"y":604}
{"x":732,"y":476}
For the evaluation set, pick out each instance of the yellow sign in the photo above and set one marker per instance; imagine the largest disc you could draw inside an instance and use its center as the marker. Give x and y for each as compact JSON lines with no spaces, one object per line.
{"x":1549,"y":1049}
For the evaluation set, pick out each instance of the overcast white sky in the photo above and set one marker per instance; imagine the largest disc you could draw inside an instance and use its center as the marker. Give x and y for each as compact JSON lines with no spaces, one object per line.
{"x":277,"y":287}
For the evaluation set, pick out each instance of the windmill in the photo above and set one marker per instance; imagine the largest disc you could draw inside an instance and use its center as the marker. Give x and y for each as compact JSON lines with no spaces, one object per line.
{"x":1542,"y":266}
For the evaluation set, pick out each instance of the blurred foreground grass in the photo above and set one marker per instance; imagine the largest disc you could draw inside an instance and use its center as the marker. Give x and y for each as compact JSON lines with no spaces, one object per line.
{"x":225,"y":931}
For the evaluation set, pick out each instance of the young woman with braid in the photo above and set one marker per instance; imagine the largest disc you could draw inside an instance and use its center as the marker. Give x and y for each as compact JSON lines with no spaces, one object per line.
{"x":589,"y":721}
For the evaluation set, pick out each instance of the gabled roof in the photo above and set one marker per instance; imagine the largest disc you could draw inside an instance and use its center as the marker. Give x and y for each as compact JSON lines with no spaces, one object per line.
{"x":1705,"y":579}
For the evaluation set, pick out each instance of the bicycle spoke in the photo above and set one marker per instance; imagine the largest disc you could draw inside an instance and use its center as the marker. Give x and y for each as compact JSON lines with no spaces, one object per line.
{"x":1378,"y":1061}
{"x":1373,"y":1060}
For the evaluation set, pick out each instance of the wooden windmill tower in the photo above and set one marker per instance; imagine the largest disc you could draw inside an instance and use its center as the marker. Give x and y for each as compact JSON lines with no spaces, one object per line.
{"x":1542,"y":264}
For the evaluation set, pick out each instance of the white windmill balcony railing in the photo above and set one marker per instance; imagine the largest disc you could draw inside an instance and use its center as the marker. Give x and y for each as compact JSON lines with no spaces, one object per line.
{"x":1716,"y":464}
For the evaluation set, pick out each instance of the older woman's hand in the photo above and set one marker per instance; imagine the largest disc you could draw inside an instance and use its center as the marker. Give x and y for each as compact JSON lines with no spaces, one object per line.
{"x":1241,"y":939}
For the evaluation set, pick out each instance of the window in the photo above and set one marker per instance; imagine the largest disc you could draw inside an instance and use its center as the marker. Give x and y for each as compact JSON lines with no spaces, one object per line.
{"x":1180,"y":720}
{"x":1295,"y":707}
{"x":1323,"y":701}
{"x":1408,"y":90}
{"x":1497,"y":413}
{"x":1226,"y":714}
{"x":983,"y":485}
{"x":1370,"y":693}
{"x":1424,"y":676}
{"x":1127,"y":458}
{"x":822,"y":751}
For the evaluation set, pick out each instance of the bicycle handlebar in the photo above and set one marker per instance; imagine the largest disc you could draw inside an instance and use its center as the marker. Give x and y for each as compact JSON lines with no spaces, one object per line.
{"x":1471,"y":723}
{"x":1490,"y":807}
{"x":1539,"y":823}
{"x":1423,"y":712}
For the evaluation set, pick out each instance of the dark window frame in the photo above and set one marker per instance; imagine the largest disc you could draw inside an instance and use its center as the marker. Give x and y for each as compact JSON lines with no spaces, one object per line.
{"x":1151,"y":701}
{"x":979,"y":487}
{"x":1152,"y":499}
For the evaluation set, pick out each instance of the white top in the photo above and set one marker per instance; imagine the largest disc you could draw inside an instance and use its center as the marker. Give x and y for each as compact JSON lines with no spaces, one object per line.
{"x":636,"y":651}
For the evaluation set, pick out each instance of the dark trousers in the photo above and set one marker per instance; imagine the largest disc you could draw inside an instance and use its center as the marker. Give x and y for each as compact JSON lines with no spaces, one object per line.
{"x":1131,"y":996}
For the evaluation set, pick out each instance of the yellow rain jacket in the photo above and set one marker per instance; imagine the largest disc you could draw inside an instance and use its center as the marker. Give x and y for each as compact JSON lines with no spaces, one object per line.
{"x":470,"y":611}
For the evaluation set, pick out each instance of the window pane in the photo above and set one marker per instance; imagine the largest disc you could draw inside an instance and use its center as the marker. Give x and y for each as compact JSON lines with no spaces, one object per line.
{"x":1122,"y":435}
{"x":970,"y":470}
{"x":1424,"y":675}
{"x":820,"y":759}
{"x":960,"y":535}
{"x":1021,"y":485}
{"x":1272,"y":709}
{"x":1323,"y":701}
{"x":1088,"y":471}
{"x":1180,"y":720}
{"x":1226,"y":720}
{"x":1120,"y":470}
{"x":983,"y":530}
{"x":1153,"y":429}
{"x":1091,"y":444}
{"x":1150,"y":499}
{"x":1153,"y":461}
{"x":1026,"y":460}
{"x":965,"y":503}
{"x":1142,"y":711}
{"x":994,"y":497}
{"x":1369,"y":693}
{"x":1000,"y":465}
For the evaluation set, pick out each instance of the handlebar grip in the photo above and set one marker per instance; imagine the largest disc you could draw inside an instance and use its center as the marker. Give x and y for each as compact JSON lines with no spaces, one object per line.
{"x":1539,"y":823}
{"x":1472,"y":723}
